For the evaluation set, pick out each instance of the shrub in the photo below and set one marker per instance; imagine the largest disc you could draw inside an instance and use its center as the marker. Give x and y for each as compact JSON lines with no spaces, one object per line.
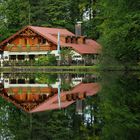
{"x":49,"y":60}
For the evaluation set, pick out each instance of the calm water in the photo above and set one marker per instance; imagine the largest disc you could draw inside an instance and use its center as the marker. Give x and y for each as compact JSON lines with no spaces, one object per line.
{"x":101,"y":106}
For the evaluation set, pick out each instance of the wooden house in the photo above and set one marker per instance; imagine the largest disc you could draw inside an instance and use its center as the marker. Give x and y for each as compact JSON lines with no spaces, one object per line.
{"x":32,"y":41}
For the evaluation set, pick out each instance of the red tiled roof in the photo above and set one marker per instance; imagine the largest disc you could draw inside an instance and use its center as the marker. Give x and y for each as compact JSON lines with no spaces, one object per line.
{"x":84,"y":48}
{"x":53,"y":31}
{"x":90,"y":47}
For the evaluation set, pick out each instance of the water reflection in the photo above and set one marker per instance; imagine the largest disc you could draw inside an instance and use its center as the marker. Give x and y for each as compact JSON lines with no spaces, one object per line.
{"x":41,"y":92}
{"x":89,"y":110}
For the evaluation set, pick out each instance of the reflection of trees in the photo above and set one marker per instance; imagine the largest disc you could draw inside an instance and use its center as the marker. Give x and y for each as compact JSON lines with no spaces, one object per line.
{"x":50,"y":125}
{"x":120,"y":100}
{"x":13,"y":122}
{"x":4,"y":130}
{"x":46,"y":78}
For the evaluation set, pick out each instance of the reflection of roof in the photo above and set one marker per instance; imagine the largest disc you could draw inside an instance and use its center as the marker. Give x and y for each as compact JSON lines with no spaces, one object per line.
{"x":89,"y":88}
{"x":90,"y":47}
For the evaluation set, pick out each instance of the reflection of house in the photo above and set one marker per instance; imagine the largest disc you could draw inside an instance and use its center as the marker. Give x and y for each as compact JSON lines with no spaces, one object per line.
{"x":67,"y":98}
{"x":35,"y":99}
{"x":32,"y":41}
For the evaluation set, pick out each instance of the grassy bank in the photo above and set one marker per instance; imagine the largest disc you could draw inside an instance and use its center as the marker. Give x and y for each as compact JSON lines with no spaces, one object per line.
{"x":66,"y":69}
{"x":50,"y":69}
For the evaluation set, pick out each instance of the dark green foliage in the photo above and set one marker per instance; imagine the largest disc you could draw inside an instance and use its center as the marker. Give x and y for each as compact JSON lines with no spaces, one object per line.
{"x":49,"y":13}
{"x":14,"y":15}
{"x":120,"y":30}
{"x":46,"y":78}
{"x":119,"y":106}
{"x":47,"y":60}
{"x":114,"y":23}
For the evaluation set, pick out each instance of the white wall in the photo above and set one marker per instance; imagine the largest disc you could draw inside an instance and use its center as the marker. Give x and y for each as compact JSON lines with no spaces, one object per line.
{"x":76,"y":56}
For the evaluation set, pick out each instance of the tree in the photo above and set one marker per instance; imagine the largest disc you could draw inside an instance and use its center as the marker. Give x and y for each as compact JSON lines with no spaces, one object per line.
{"x":119,"y":99}
{"x":66,"y":56}
{"x":120,"y":30}
{"x":14,"y":15}
{"x":52,"y":13}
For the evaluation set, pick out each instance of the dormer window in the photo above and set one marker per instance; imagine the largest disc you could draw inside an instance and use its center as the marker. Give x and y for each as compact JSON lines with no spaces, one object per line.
{"x":68,"y":39}
{"x":71,"y":39}
{"x":74,"y":40}
{"x":84,"y":40}
{"x":81,"y":40}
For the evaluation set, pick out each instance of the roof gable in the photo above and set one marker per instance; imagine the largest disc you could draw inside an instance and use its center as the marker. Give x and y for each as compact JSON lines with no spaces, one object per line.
{"x":42,"y":31}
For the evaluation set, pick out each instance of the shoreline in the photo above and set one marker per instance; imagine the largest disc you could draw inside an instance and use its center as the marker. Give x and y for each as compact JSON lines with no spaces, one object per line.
{"x":64,"y":69}
{"x":49,"y":69}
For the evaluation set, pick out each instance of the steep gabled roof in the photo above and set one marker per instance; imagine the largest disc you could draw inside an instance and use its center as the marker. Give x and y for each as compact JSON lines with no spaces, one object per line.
{"x":84,"y":48}
{"x":90,"y":46}
{"x":52,"y":31}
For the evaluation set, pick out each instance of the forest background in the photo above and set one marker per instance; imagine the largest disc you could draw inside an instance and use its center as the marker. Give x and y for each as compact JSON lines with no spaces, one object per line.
{"x":113,"y":23}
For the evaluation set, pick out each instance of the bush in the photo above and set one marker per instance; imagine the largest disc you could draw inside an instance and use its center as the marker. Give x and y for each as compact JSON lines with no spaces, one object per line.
{"x":49,"y":60}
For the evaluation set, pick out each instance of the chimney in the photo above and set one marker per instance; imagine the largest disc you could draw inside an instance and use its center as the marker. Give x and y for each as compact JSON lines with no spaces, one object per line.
{"x":78,"y":30}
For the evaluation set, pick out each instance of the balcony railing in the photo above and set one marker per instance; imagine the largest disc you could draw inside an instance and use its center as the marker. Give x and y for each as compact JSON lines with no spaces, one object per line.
{"x":30,"y":48}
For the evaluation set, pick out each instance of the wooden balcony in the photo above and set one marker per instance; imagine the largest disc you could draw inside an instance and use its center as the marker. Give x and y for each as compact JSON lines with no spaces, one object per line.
{"x":31,"y":48}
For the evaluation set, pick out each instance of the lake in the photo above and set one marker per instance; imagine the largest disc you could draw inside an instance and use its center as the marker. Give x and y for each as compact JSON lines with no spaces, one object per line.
{"x":87,"y":106}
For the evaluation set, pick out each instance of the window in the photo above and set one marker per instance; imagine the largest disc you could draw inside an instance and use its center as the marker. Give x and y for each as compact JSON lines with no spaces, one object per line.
{"x":68,"y":39}
{"x":13,"y":57}
{"x":13,"y":81}
{"x":84,"y":40}
{"x":39,"y":40}
{"x":32,"y":81}
{"x":6,"y":57}
{"x":21,"y":57}
{"x":25,"y":41}
{"x":31,"y":57}
{"x":74,"y":40}
{"x":21,"y":81}
{"x":77,"y":56}
{"x":33,"y":40}
{"x":44,"y":41}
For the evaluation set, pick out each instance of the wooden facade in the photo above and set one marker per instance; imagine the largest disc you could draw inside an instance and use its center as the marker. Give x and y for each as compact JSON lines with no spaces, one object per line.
{"x":28,"y":41}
